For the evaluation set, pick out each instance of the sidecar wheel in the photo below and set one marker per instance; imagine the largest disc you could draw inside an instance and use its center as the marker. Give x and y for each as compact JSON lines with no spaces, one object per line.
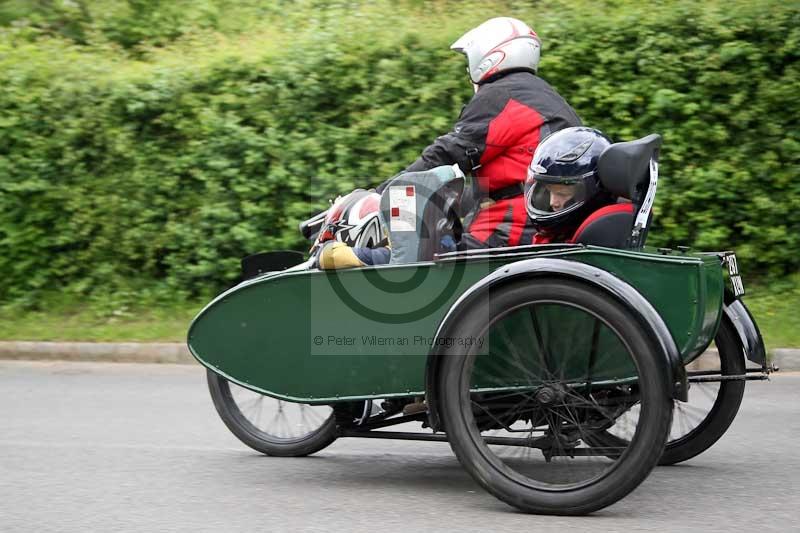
{"x":700,"y":422}
{"x":563,"y":360}
{"x":271,"y":426}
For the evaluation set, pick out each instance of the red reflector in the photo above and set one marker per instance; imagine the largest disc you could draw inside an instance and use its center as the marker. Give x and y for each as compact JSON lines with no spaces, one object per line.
{"x":410,"y":191}
{"x":395,"y":211}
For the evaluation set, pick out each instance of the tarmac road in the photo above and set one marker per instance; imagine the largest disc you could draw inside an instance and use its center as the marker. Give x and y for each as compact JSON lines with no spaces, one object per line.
{"x":133,"y":447}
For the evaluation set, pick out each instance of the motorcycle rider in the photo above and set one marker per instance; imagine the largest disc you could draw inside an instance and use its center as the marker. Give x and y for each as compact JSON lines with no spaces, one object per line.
{"x":494,"y":138}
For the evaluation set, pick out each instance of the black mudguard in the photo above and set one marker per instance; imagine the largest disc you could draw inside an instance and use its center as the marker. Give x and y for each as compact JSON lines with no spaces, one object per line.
{"x":735,"y":312}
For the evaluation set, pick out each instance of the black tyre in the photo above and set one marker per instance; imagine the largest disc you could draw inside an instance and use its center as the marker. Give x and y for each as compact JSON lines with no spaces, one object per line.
{"x":560,"y":361}
{"x":712,"y":406}
{"x":271,"y":426}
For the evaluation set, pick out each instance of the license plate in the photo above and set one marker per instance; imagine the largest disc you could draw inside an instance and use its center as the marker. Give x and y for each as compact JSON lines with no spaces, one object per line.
{"x":733,"y":275}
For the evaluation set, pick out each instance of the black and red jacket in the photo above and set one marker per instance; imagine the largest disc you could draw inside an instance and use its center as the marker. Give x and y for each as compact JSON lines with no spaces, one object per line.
{"x":499,"y":129}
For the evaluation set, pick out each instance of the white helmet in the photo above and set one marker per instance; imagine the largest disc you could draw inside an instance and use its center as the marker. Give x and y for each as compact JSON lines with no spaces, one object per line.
{"x":498,"y":45}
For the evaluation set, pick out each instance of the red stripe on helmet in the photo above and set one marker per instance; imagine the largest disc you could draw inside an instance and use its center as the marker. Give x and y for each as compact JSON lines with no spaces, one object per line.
{"x":371,"y":204}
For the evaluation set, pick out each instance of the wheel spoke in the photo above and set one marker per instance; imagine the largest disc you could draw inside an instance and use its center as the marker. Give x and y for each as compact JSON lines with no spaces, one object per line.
{"x":276,"y":419}
{"x":709,"y":391}
{"x":569,"y":449}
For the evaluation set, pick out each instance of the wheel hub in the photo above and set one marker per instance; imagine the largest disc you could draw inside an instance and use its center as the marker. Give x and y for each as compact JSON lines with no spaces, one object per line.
{"x":547,"y":395}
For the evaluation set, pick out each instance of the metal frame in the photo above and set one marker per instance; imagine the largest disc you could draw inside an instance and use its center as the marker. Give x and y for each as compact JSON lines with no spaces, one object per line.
{"x":643,"y":216}
{"x":705,"y":376}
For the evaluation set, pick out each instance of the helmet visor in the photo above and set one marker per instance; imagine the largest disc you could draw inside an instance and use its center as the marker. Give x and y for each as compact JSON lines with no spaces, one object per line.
{"x":548,"y":197}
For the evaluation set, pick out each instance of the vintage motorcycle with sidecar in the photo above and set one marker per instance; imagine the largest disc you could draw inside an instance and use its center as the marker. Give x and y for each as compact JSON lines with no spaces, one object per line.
{"x":560,"y":374}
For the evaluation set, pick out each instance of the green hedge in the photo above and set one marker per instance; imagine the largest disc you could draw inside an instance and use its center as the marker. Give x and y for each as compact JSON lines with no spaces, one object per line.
{"x":152,"y":173}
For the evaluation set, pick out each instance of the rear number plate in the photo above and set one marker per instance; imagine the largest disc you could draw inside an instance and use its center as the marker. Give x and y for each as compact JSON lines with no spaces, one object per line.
{"x":733,"y":274}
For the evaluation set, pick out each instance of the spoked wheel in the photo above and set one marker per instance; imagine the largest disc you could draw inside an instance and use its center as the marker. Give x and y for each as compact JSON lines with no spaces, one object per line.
{"x":560,"y":362}
{"x":272,"y":426}
{"x":712,"y":406}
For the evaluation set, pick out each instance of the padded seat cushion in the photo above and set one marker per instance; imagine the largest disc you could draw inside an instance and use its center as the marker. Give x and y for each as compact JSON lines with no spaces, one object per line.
{"x":609,"y":226}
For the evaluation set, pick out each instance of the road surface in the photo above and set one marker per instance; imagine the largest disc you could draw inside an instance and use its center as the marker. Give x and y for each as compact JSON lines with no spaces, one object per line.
{"x":127,"y":447}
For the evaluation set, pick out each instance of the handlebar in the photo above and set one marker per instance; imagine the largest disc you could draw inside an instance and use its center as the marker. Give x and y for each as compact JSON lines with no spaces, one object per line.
{"x":309,"y":228}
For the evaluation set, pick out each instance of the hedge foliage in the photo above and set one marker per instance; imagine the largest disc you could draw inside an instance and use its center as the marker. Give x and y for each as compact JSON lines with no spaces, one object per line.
{"x":148,"y":165}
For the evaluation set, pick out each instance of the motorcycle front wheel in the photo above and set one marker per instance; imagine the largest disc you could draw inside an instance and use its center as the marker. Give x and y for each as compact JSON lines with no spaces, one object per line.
{"x":271,"y":426}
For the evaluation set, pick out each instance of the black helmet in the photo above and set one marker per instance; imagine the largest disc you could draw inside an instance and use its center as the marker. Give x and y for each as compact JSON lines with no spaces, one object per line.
{"x":563,"y":187}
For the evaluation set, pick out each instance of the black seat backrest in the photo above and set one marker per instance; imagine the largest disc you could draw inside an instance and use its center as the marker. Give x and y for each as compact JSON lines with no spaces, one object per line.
{"x":624,"y":169}
{"x":256,"y":264}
